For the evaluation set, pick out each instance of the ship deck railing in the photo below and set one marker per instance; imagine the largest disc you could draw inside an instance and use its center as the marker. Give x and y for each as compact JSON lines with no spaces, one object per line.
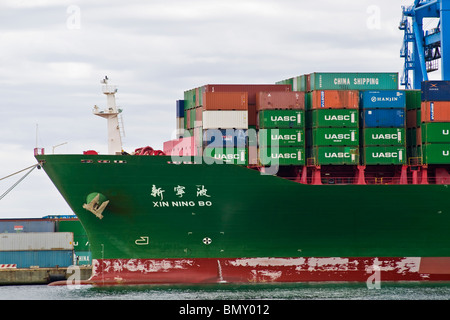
{"x":370,"y":181}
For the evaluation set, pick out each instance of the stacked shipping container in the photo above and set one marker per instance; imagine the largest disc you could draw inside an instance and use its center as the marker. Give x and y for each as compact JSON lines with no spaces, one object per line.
{"x":413,"y":124}
{"x":434,"y":132}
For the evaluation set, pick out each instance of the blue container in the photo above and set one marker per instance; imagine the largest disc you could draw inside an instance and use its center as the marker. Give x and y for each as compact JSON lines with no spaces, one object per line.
{"x":26,"y":225}
{"x":225,"y":138}
{"x":436,"y":91}
{"x":383,"y":118}
{"x":180,"y":108}
{"x":43,"y":259}
{"x":382,"y":99}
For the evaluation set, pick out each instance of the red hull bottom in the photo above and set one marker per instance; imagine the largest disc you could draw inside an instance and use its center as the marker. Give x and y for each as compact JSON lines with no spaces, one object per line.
{"x":257,"y":270}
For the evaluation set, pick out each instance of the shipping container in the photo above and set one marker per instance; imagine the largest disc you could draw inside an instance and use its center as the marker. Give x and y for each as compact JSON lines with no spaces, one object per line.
{"x":435,"y":132}
{"x":269,"y":119}
{"x":280,"y":100}
{"x":382,"y":99}
{"x":352,"y":81}
{"x":383,"y":118}
{"x":281,"y":137}
{"x":251,"y":89}
{"x":40,"y":258}
{"x":180,"y":109}
{"x":435,"y":90}
{"x":384,"y":137}
{"x":225,"y":138}
{"x":36,"y":241}
{"x":26,"y":225}
{"x":384,"y":155}
{"x":435,"y":111}
{"x":436,"y":153}
{"x":80,"y":239}
{"x":334,"y":155}
{"x":332,"y":118}
{"x":411,"y":118}
{"x":252,"y":115}
{"x":189,"y":99}
{"x":333,"y":136}
{"x":214,"y":119}
{"x":225,"y":101}
{"x":411,"y":138}
{"x":83,"y":258}
{"x":225,"y":155}
{"x":334,"y":99}
{"x":283,"y":156}
{"x":297,"y":83}
{"x":413,"y":99}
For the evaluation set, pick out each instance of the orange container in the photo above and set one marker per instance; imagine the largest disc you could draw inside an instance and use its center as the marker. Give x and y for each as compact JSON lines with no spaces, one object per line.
{"x":335,"y":99}
{"x":435,"y":111}
{"x":225,"y":101}
{"x":280,"y":100}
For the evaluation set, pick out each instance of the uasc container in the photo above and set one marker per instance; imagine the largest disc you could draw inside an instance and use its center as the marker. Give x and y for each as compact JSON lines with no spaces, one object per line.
{"x":281,"y":137}
{"x":225,"y":101}
{"x":334,"y":136}
{"x":280,"y":100}
{"x":36,"y":241}
{"x":332,"y":118}
{"x":225,"y":155}
{"x":282,"y":156}
{"x":382,"y":99}
{"x":384,"y":155}
{"x":335,"y":99}
{"x":384,"y":136}
{"x":435,"y":111}
{"x":334,"y":155}
{"x":383,"y":118}
{"x":435,"y":132}
{"x":436,"y":153}
{"x":281,"y":119}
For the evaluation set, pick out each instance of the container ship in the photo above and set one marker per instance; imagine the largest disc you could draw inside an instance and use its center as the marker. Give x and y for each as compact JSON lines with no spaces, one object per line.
{"x":319,"y":177}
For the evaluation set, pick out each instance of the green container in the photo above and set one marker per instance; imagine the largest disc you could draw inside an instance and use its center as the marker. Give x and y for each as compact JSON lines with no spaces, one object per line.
{"x":384,"y":137}
{"x":411,"y":138}
{"x":281,"y":137}
{"x":419,"y":118}
{"x":192,"y":117}
{"x":189,"y":99}
{"x":225,"y":155}
{"x":395,"y":155}
{"x":282,"y":156}
{"x":332,"y":118}
{"x":353,"y":81}
{"x":281,"y":119}
{"x":413,"y":99}
{"x":436,"y":132}
{"x":436,"y":153}
{"x":334,"y":155}
{"x":333,"y":136}
{"x":296,"y":83}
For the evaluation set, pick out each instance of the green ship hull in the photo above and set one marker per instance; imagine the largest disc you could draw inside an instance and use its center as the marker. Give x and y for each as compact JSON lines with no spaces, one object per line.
{"x":171,"y":222}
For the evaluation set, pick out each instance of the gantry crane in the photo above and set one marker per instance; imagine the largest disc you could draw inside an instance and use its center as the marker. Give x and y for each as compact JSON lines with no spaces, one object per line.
{"x":421,"y":48}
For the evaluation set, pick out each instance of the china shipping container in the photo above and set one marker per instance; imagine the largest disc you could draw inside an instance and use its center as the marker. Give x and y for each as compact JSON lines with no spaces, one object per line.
{"x":413,"y":99}
{"x":384,"y":155}
{"x":383,"y":136}
{"x":39,"y":258}
{"x":281,"y":119}
{"x":437,"y":111}
{"x":383,"y":118}
{"x":225,"y":138}
{"x":333,"y":136}
{"x":332,"y":118}
{"x":26,"y":225}
{"x":352,"y":81}
{"x":280,"y":100}
{"x":283,"y":156}
{"x":281,"y":137}
{"x":382,"y":99}
{"x":435,"y":90}
{"x":435,"y":132}
{"x":334,"y":99}
{"x":225,"y":155}
{"x":229,"y":119}
{"x":36,"y":241}
{"x":225,"y":101}
{"x":325,"y":155}
{"x":436,"y":153}
{"x":82,"y":258}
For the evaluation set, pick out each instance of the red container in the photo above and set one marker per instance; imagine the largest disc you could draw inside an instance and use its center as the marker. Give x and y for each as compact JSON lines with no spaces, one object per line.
{"x":335,"y":99}
{"x":252,"y":115}
{"x":280,"y":100}
{"x":198,"y":113}
{"x":188,"y":119}
{"x":251,"y":89}
{"x":435,"y":111}
{"x":225,"y":101}
{"x":411,"y":118}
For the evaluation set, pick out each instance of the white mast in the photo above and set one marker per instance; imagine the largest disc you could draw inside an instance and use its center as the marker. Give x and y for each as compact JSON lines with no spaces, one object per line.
{"x":111,"y":113}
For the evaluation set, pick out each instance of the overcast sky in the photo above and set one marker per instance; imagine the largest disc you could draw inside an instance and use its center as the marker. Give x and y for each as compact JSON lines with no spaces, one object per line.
{"x":53,"y":54}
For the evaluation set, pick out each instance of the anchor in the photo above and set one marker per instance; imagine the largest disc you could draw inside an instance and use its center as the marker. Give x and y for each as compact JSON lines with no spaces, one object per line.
{"x":94,"y":205}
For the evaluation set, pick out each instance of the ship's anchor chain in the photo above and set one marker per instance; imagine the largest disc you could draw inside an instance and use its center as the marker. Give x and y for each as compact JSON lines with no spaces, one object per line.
{"x":20,"y":180}
{"x":96,"y":203}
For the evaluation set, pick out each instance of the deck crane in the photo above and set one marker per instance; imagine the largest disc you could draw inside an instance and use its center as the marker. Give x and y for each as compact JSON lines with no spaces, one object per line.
{"x":422,"y":49}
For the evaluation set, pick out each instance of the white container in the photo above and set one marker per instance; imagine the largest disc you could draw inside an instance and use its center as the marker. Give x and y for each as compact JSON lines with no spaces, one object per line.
{"x":225,"y":119}
{"x":36,"y":241}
